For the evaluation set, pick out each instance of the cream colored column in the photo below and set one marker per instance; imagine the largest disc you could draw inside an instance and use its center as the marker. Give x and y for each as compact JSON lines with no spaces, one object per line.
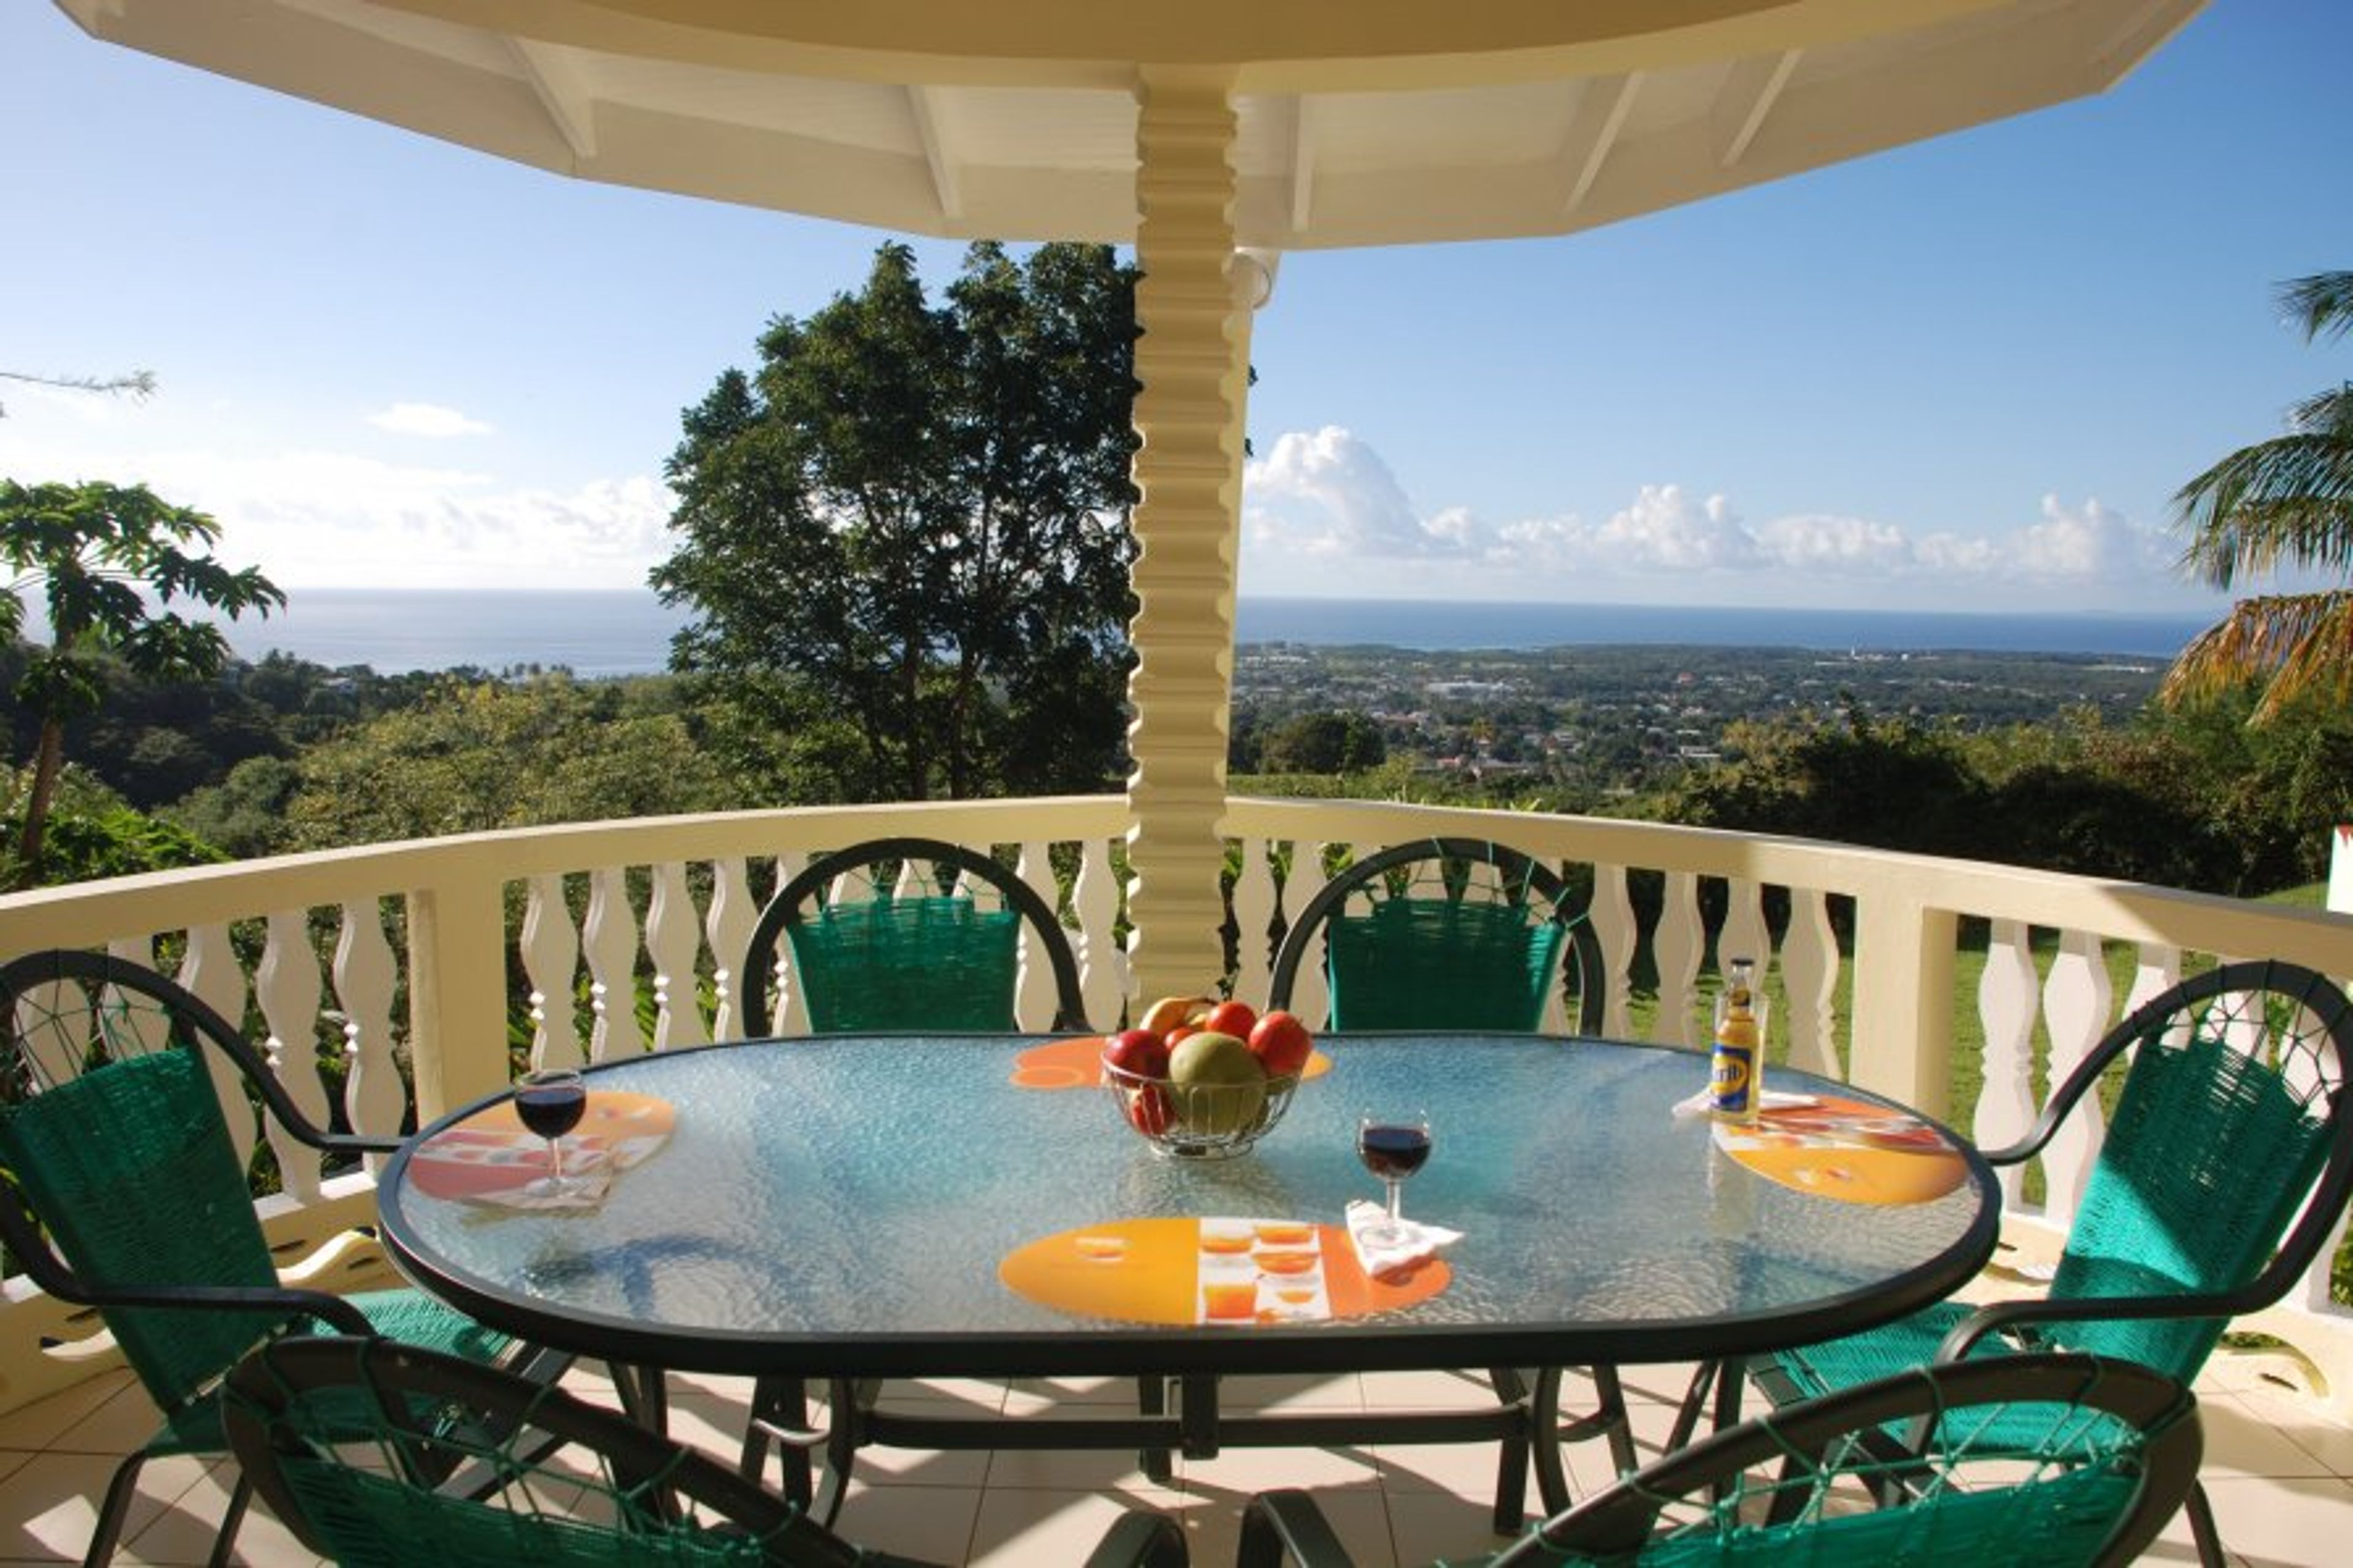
{"x":1193,"y":362}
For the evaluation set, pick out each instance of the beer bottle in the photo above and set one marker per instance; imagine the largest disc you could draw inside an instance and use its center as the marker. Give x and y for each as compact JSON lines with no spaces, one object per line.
{"x":1735,"y":1070}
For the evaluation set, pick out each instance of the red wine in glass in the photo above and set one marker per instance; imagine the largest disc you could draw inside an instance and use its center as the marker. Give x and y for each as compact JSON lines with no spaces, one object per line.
{"x":551,"y":1103}
{"x":1392,"y":1148}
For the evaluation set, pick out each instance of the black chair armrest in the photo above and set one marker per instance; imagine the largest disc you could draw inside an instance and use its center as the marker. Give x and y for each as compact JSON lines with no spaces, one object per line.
{"x":1288,"y":1522}
{"x":1996,"y":1316}
{"x":1142,"y":1541}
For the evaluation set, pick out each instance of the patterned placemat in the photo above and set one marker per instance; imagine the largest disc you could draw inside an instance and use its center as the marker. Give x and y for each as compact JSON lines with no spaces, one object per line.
{"x":1846,"y":1150}
{"x":1237,"y":1272}
{"x":492,"y":1158}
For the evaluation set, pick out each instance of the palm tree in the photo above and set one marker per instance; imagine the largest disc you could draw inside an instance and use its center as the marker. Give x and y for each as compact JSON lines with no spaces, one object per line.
{"x":2285,"y":503}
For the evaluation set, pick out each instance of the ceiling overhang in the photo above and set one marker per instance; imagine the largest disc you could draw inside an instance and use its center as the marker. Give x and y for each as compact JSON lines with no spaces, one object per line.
{"x":1358,"y":123}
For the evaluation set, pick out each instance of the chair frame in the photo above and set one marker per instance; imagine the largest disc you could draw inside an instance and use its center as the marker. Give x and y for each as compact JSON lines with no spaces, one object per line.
{"x":786,"y":910}
{"x":1614,"y":1525}
{"x":260,"y":1390}
{"x":195,"y":1025}
{"x":1307,"y":928}
{"x":2328,"y":1005}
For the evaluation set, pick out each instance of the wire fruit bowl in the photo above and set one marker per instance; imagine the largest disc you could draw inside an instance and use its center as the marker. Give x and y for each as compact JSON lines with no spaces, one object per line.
{"x":1197,"y":1122}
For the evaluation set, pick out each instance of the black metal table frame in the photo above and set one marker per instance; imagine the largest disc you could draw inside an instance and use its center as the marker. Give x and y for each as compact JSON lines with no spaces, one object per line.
{"x":1525,"y":1418}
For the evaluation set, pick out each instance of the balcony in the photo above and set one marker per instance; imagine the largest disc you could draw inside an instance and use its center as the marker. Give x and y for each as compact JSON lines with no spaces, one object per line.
{"x":404,"y":958}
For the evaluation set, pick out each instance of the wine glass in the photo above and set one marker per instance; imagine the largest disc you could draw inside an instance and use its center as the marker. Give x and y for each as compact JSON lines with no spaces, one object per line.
{"x":551,"y":1103}
{"x":1392,"y":1147}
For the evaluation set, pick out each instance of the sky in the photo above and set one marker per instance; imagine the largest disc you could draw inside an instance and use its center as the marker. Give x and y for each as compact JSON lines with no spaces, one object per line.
{"x":1968,"y":375}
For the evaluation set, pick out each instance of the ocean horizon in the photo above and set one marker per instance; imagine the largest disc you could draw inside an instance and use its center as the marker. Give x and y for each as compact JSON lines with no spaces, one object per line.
{"x":598,"y":634}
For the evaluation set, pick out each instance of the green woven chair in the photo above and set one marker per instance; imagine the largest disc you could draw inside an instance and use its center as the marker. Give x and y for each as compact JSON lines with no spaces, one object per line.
{"x":940,"y":961}
{"x":546,"y":1480}
{"x":1817,"y":1484}
{"x":1449,"y":933}
{"x":2227,"y":1165}
{"x":123,"y":1191}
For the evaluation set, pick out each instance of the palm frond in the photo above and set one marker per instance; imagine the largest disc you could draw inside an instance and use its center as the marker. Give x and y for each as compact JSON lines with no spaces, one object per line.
{"x":2288,"y":501}
{"x":2329,"y":413}
{"x":2293,"y":643}
{"x":2321,"y":304}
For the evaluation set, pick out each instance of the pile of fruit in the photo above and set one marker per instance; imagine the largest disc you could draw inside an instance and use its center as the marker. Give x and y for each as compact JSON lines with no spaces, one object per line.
{"x":1198,"y":1074}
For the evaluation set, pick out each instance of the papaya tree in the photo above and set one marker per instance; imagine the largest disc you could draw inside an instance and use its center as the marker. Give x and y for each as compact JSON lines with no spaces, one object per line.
{"x":117,"y":570}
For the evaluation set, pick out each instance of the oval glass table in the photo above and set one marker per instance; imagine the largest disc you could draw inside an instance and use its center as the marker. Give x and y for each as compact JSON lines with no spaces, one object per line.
{"x":844,"y":1209}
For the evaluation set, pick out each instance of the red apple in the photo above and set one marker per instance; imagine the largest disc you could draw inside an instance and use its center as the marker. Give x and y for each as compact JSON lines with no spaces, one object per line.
{"x":1139,"y":1051}
{"x":1149,"y":1110}
{"x":1235,"y":1018}
{"x":1281,"y":1044}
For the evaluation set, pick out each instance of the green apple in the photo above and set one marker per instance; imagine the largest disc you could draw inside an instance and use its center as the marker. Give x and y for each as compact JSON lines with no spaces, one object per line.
{"x":1221,"y":1086}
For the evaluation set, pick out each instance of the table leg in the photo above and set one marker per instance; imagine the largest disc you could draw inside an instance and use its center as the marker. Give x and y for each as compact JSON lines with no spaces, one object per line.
{"x":851,"y":1400}
{"x":780,"y":1416}
{"x":644,"y":1392}
{"x":1152,"y":1399}
{"x":1513,"y":1449}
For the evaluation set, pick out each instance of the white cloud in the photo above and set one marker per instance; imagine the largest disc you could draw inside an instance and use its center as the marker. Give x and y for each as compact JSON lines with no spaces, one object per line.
{"x":1667,"y":530}
{"x":1818,"y":543}
{"x":429,"y":419}
{"x":1326,"y":493}
{"x":326,"y":518}
{"x":1323,"y":499}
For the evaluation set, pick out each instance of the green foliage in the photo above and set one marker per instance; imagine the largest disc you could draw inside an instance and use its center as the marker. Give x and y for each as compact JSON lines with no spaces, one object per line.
{"x":1324,"y":743}
{"x":100,"y":553}
{"x":905,"y":536}
{"x":2285,"y":503}
{"x":2200,"y":800}
{"x":1890,"y":783}
{"x":93,"y":833}
{"x":479,"y":755}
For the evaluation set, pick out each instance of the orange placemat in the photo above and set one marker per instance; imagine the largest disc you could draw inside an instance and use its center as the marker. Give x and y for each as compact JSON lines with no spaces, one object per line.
{"x":1846,"y":1150}
{"x":490,"y":1157}
{"x":1077,"y":1063}
{"x":1237,"y":1271}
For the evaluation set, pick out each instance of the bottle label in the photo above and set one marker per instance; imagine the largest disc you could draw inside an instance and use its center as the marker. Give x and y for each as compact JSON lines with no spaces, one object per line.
{"x":1732,"y":1080}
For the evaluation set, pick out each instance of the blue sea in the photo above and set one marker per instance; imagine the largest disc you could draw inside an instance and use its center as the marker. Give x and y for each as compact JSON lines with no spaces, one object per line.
{"x":625,"y":632}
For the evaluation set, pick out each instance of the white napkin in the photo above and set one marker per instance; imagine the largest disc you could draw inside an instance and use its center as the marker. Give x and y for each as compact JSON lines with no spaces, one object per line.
{"x":1700,"y":1103}
{"x":1420,"y":1244}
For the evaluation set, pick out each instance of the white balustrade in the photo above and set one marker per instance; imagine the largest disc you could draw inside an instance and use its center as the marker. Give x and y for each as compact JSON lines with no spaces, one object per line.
{"x":728,"y":926}
{"x":674,"y":943}
{"x":375,"y":1099}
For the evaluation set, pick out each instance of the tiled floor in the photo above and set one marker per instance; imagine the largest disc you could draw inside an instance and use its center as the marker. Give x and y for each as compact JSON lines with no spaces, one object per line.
{"x":2281,"y":1476}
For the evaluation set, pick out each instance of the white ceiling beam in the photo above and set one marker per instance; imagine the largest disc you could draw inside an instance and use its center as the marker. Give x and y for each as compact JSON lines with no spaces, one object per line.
{"x":1602,"y":111}
{"x":1748,"y":96}
{"x":554,"y":75}
{"x":944,"y":184}
{"x":1303,"y":162}
{"x":2139,"y":34}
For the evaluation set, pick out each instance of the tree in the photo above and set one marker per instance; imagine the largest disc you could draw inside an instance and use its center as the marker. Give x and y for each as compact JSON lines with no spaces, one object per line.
{"x":480,"y":755}
{"x":906,"y":537}
{"x":111,"y":562}
{"x":1324,"y":743}
{"x":2287,"y":501}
